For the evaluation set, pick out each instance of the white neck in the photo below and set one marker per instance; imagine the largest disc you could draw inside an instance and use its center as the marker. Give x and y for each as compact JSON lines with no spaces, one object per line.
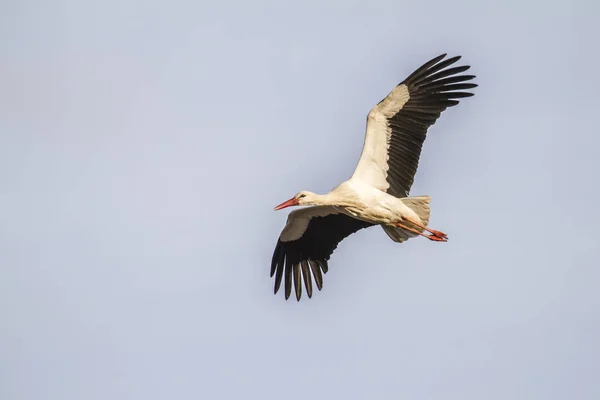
{"x":332,"y":198}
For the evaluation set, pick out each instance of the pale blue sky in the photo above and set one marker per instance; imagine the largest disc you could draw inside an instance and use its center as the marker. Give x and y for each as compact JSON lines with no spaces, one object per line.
{"x":143,"y":146}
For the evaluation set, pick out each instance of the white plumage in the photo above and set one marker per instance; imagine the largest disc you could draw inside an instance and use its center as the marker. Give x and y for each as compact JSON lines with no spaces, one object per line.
{"x":377,"y":192}
{"x":373,"y":163}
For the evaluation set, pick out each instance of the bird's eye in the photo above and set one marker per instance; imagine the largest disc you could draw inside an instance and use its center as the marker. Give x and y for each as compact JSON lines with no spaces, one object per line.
{"x":301,"y":196}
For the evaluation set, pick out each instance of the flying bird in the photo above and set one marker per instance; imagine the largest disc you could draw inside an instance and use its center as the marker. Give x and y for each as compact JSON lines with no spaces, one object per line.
{"x":377,"y":192}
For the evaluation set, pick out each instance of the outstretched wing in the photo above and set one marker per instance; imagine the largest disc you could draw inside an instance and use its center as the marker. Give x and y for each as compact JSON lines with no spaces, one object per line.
{"x":397,"y":126}
{"x":305,"y":245}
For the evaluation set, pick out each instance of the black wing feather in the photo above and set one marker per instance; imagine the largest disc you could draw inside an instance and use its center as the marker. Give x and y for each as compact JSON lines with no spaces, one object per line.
{"x":432,"y":89}
{"x":307,"y":278}
{"x":313,"y":250}
{"x":314,"y":267}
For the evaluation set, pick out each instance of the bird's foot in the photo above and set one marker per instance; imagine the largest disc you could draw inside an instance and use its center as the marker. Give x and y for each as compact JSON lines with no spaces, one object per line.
{"x":438,"y":234}
{"x":437,"y":238}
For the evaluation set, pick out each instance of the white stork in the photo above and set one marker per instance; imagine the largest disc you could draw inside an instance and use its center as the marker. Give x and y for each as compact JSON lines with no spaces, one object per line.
{"x":377,"y":192}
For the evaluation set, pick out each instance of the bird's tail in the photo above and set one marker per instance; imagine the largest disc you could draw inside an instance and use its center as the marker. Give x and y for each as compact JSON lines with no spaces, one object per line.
{"x":420,"y":205}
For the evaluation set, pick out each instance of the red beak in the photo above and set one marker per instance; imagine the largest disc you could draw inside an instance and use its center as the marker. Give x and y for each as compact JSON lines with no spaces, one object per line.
{"x":288,"y":203}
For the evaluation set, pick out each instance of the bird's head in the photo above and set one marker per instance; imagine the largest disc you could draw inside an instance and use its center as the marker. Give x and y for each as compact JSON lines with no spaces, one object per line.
{"x":303,"y":198}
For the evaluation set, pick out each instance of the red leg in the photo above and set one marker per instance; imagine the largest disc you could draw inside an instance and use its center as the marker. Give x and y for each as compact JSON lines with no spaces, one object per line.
{"x":433,"y":237}
{"x":432,"y":231}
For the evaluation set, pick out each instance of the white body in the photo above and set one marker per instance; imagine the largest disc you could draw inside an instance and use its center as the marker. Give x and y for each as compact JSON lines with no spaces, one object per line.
{"x":371,"y":204}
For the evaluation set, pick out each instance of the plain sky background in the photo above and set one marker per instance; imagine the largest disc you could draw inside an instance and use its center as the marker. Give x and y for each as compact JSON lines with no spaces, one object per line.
{"x":143,"y":145}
